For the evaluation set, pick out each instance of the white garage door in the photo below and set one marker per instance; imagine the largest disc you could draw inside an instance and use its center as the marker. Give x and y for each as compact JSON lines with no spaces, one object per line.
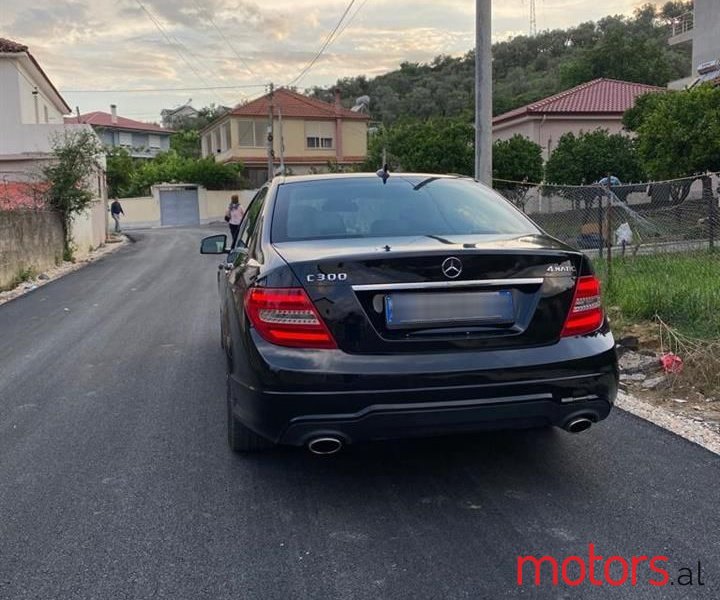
{"x":179,"y":206}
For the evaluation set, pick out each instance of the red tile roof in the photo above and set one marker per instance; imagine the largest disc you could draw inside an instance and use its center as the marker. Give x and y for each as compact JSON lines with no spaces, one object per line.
{"x":292,"y":104}
{"x":600,"y":96}
{"x":103,"y":119}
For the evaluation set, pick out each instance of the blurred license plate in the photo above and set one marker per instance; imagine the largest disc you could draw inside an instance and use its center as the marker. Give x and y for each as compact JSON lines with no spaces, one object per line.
{"x":449,"y":309}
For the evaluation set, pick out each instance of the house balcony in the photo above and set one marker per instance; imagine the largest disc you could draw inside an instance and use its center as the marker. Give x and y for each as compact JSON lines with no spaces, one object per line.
{"x":682,"y":28}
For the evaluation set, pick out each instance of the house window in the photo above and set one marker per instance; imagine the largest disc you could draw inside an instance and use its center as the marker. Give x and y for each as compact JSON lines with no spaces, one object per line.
{"x":252,"y":134}
{"x":125,"y":139}
{"x":319,"y":142}
{"x":319,"y":135}
{"x":228,"y":136}
{"x":207,"y":145}
{"x":216,"y":141}
{"x":154,"y":142}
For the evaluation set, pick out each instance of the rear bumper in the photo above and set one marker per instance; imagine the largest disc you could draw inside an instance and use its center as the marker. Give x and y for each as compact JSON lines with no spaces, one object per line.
{"x":361,"y":398}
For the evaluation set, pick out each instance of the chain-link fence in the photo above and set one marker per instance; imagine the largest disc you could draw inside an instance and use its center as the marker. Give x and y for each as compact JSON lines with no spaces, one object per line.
{"x":656,"y":245}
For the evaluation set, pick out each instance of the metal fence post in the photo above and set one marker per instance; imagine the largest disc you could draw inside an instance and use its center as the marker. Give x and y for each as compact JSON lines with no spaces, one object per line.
{"x":712,"y":209}
{"x":609,"y":234}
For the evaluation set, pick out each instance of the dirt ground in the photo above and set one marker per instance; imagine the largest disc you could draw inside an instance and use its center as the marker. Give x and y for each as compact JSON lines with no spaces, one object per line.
{"x":690,"y":393}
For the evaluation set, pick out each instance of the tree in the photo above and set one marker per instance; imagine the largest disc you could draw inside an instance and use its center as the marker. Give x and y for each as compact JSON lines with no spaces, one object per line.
{"x":678,"y":133}
{"x":674,"y":8}
{"x":439,"y":145}
{"x":186,"y":143}
{"x":170,"y":167}
{"x":589,"y":157}
{"x":527,"y":68}
{"x":516,"y":160}
{"x":70,"y":177}
{"x":120,"y":167}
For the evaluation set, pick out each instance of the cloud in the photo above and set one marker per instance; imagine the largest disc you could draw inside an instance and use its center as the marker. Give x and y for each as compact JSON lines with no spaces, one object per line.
{"x":107,"y":44}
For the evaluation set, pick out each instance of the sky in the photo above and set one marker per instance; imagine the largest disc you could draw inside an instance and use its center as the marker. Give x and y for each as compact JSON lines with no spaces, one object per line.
{"x":116,"y":45}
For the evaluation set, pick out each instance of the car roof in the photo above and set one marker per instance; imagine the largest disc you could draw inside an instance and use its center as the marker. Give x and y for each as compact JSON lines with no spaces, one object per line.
{"x":289,"y":179}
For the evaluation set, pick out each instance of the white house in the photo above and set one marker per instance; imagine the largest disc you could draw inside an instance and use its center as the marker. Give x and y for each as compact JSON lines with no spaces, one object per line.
{"x":31,"y":116}
{"x":32,"y":112}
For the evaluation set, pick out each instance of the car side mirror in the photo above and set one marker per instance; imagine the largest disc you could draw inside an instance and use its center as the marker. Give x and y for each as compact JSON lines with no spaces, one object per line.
{"x":214,"y":244}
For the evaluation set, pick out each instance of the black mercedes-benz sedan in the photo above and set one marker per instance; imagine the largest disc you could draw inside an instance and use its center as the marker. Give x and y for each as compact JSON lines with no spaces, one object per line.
{"x":357,"y":307}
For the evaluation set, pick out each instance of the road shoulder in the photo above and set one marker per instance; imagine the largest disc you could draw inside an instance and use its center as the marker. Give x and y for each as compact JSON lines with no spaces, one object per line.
{"x":63,"y":269}
{"x":686,"y":427}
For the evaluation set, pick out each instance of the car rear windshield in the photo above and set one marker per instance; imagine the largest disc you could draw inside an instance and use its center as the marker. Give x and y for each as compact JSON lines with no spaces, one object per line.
{"x":404,"y":206}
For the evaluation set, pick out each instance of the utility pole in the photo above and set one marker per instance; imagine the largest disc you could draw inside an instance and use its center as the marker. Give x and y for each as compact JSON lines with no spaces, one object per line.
{"x":270,"y":150}
{"x":282,"y":143}
{"x":483,"y":91}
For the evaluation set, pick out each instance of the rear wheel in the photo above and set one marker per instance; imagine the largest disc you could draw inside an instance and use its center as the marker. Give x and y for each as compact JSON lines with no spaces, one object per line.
{"x":240,"y":438}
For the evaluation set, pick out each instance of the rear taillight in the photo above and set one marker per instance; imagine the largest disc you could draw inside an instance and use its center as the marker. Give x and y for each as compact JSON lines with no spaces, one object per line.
{"x":586,"y":314}
{"x":287,"y":317}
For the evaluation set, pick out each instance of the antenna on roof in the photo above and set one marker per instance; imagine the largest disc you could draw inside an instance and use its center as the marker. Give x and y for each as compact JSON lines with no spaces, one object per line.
{"x":362,"y":104}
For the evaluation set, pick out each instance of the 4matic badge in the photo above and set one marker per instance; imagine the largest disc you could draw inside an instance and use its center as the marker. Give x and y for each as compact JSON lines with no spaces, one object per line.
{"x":568,"y":269}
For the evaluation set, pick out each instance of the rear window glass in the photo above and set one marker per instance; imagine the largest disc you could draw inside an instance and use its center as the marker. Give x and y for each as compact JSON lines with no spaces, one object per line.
{"x":404,"y":206}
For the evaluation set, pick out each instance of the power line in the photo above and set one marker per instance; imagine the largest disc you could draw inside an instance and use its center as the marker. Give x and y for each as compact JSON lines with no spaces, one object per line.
{"x":352,"y":17}
{"x":177,"y":89}
{"x":324,"y":46}
{"x":177,"y":50}
{"x":225,"y":39}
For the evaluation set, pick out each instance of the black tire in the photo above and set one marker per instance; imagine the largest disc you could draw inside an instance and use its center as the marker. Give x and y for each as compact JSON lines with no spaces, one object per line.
{"x":240,"y":438}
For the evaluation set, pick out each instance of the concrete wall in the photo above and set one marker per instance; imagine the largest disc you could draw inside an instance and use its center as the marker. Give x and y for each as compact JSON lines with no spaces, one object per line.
{"x":214,"y":203}
{"x":28,"y":239}
{"x":27,"y":101}
{"x":354,"y":138}
{"x":706,"y":32}
{"x":144,"y":212}
{"x":89,"y":229}
{"x":140,"y":212}
{"x":547,"y":132}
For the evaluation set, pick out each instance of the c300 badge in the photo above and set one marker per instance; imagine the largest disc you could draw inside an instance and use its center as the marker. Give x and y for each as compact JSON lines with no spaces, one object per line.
{"x":329,"y":277}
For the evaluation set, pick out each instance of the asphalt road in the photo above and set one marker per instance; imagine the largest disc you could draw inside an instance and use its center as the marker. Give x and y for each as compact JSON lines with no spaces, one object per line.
{"x":116,"y":482}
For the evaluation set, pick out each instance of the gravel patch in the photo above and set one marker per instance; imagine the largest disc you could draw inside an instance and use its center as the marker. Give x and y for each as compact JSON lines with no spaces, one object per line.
{"x":699,"y":432}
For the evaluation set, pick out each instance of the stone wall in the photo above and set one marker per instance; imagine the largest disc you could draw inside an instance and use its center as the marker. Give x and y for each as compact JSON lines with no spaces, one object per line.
{"x":28,"y":240}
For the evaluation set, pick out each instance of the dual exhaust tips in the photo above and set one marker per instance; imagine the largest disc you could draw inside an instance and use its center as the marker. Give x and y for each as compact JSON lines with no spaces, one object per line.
{"x":332,"y":445}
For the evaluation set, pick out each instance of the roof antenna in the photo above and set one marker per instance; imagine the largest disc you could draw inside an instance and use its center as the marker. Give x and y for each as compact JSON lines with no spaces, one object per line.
{"x":383,"y":173}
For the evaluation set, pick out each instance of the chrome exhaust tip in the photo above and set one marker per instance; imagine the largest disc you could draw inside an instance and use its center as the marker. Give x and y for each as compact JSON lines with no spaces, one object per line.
{"x":325,"y":445}
{"x":578,"y":425}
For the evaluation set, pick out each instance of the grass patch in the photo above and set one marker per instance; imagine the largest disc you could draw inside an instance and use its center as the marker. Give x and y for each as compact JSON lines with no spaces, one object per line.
{"x":682,"y":289}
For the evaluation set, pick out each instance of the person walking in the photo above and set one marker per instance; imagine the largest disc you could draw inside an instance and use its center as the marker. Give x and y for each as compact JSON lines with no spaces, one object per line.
{"x":233,"y":216}
{"x":115,"y":211}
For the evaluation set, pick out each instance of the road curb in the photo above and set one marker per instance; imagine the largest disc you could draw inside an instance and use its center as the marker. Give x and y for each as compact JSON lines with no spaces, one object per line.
{"x":694,"y":431}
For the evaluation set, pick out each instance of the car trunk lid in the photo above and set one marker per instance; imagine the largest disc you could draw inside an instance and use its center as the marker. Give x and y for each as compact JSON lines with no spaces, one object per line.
{"x":429,"y":293}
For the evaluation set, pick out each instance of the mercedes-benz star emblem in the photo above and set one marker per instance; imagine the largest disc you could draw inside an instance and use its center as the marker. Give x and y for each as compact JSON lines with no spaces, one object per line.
{"x":452,"y":267}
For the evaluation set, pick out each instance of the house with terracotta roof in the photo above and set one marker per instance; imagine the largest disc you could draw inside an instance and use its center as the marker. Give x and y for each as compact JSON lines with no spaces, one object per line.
{"x":308,"y":134}
{"x":597,"y":104}
{"x":142,"y":140}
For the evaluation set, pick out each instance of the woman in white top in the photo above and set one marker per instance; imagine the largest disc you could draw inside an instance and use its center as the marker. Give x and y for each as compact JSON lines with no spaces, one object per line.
{"x":233,"y":216}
